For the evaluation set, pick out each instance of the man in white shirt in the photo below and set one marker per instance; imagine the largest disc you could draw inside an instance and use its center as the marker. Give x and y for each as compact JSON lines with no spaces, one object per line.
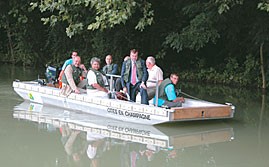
{"x":155,"y":75}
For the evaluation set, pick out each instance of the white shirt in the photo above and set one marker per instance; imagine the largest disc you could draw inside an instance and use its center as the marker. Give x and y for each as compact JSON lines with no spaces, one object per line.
{"x":155,"y":74}
{"x":91,"y":77}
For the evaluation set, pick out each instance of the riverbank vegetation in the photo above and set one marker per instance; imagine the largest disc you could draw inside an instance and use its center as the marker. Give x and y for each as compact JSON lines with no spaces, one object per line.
{"x":216,"y":41}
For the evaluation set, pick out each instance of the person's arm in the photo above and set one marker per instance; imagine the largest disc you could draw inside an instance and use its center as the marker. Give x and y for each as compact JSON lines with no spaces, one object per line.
{"x":92,"y":80}
{"x":159,"y":75}
{"x":66,"y":63}
{"x":115,"y":69}
{"x":82,"y":66}
{"x":171,"y":94}
{"x":98,"y":87}
{"x":145,"y":72}
{"x":145,"y":75}
{"x":122,"y":75}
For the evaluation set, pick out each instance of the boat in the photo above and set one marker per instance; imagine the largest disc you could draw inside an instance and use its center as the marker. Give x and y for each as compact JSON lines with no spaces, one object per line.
{"x":162,"y":137}
{"x":126,"y":111}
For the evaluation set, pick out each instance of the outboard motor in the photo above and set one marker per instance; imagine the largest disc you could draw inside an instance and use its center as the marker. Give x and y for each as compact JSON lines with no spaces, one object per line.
{"x":52,"y":74}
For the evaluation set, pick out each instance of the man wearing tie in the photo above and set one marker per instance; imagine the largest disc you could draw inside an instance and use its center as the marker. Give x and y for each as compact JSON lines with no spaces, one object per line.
{"x":134,"y":75}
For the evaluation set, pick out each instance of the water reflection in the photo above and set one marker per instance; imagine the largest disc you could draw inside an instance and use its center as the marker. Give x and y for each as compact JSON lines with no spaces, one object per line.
{"x":88,"y":139}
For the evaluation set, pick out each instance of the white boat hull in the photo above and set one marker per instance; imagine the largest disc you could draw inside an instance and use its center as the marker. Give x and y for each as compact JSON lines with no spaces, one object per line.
{"x":117,"y":109}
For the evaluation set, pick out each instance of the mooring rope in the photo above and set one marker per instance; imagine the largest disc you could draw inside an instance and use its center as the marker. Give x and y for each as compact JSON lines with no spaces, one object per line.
{"x":196,"y":98}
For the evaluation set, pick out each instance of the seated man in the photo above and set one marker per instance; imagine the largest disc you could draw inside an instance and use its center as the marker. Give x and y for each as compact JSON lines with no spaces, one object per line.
{"x":167,"y":93}
{"x":134,"y":75}
{"x":110,"y":68}
{"x":71,"y":78}
{"x":66,"y":63}
{"x":155,"y":75}
{"x":96,"y":80}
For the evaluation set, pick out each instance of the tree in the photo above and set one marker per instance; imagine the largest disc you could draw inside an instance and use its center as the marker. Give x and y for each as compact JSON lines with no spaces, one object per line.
{"x":94,"y":14}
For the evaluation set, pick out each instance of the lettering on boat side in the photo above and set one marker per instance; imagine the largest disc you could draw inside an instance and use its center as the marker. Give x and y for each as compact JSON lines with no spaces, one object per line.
{"x":129,"y":130}
{"x":128,"y":113}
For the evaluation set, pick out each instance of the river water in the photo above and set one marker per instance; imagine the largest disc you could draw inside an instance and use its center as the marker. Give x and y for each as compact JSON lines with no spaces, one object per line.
{"x":30,"y":136}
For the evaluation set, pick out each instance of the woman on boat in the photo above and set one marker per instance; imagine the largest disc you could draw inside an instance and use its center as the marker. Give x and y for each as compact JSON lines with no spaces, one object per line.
{"x":96,"y":80}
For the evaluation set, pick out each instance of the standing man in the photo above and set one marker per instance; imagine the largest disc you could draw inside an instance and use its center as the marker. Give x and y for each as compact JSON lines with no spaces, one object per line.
{"x":110,"y":68}
{"x":71,"y":78}
{"x":167,"y":92}
{"x":134,"y":75}
{"x":155,"y":75}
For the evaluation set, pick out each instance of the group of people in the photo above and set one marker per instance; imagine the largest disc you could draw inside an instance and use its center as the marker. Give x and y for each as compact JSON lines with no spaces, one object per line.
{"x":136,"y":76}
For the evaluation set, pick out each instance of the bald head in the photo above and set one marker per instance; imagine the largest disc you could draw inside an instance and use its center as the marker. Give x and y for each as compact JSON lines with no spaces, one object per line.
{"x":76,"y":61}
{"x":108,"y":59}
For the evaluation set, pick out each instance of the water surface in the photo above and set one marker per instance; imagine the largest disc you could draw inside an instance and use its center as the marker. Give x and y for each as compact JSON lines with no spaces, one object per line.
{"x":34,"y":135}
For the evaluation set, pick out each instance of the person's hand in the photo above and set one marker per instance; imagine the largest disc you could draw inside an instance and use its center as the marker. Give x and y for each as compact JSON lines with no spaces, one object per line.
{"x":124,"y":89}
{"x":142,"y":85}
{"x":82,"y":67}
{"x":106,"y":90}
{"x":77,"y":91}
{"x":181,"y":99}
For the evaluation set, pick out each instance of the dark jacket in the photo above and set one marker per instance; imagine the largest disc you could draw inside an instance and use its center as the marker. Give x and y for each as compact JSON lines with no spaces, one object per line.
{"x":127,"y":68}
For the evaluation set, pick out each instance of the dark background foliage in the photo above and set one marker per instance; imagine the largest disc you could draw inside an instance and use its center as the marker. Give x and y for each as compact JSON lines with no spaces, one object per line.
{"x":209,"y":41}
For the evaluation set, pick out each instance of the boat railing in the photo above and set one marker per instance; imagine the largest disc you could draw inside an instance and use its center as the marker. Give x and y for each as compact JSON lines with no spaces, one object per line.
{"x":111,"y":81}
{"x":111,"y":85}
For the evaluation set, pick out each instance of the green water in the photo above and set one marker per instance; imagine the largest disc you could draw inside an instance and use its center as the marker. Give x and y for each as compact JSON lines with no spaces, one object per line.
{"x":242,"y":141}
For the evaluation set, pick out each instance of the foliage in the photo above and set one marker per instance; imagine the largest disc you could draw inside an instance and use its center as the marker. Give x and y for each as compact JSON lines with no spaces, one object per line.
{"x":232,"y":74}
{"x":17,"y":24}
{"x":97,"y":14}
{"x":214,"y":41}
{"x":195,"y":36}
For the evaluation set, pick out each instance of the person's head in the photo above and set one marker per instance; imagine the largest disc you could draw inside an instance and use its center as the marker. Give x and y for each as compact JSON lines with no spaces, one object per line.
{"x":134,"y":54}
{"x":74,"y":54}
{"x":174,"y":78}
{"x":76,"y":61}
{"x":150,"y":62}
{"x":108,"y":59}
{"x":95,"y":63}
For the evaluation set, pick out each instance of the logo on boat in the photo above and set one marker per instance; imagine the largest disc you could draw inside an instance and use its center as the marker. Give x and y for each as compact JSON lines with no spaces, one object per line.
{"x":31,"y":97}
{"x":128,"y":113}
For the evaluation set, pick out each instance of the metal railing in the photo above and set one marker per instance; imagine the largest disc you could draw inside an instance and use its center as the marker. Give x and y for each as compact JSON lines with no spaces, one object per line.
{"x":111,"y":85}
